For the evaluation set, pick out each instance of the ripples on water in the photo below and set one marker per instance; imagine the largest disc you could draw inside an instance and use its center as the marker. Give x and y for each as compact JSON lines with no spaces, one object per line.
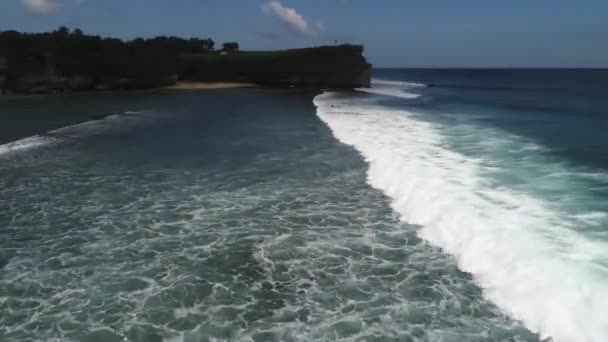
{"x":173,"y":229}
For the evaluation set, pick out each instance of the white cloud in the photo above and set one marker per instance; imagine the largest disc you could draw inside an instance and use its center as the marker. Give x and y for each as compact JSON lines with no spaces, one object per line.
{"x":290,"y":17}
{"x":41,"y":6}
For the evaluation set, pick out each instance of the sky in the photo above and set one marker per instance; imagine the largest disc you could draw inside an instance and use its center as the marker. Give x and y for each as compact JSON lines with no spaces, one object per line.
{"x":395,"y":33}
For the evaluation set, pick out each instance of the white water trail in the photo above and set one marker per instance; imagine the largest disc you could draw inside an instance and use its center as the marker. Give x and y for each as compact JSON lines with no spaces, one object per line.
{"x":377,"y":81}
{"x":60,"y":134}
{"x":25,"y":144}
{"x":392,"y":88}
{"x":531,"y":264}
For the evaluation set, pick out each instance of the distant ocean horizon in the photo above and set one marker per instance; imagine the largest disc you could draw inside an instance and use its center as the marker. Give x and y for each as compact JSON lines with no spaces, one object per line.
{"x":437,"y":205}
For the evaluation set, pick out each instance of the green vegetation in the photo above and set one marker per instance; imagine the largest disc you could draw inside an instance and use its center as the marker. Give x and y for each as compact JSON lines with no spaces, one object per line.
{"x":326,"y":66}
{"x":231,"y":47}
{"x":66,"y":60}
{"x":60,"y":60}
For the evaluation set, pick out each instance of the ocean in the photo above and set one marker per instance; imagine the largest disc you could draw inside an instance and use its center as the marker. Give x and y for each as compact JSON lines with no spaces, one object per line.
{"x":438,"y":205}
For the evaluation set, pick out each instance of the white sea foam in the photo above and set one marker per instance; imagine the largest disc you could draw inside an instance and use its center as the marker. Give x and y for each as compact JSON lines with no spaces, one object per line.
{"x":63,"y":133}
{"x":389,"y":91}
{"x":381,"y":82}
{"x":520,"y":249}
{"x":25,"y":144}
{"x":592,"y":218}
{"x":392,"y":88}
{"x":85,"y":127}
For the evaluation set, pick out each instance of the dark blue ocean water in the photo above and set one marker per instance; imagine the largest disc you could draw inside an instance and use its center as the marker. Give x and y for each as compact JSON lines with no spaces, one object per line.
{"x":438,"y":205}
{"x":564,"y":109}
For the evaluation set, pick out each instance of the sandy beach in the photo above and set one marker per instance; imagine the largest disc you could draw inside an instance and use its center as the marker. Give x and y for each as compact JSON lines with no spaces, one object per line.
{"x":208,"y":85}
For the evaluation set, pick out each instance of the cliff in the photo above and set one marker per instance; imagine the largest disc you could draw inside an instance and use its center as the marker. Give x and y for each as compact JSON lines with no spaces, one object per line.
{"x":62,"y":61}
{"x":340,"y":66}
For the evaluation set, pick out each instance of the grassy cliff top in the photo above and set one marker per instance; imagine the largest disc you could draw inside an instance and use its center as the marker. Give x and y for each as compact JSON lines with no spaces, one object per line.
{"x":72,"y":60}
{"x":340,"y":65}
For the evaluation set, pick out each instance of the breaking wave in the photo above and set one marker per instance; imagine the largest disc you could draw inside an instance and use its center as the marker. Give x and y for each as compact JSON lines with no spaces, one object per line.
{"x":392,"y":88}
{"x":531,"y":258}
{"x":61,"y":134}
{"x":25,"y":144}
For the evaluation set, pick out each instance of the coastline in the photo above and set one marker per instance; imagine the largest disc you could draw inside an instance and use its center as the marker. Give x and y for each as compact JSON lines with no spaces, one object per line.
{"x":187,"y":85}
{"x":16,"y":100}
{"x":176,"y":86}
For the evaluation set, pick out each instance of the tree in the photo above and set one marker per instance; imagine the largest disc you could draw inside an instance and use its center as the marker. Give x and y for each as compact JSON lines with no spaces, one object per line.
{"x":62,"y":31}
{"x":208,"y":44}
{"x":79,"y":61}
{"x":231,"y":47}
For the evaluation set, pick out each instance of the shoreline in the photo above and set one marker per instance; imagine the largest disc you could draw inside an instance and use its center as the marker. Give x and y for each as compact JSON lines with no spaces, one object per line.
{"x":185,"y":85}
{"x":177,"y":86}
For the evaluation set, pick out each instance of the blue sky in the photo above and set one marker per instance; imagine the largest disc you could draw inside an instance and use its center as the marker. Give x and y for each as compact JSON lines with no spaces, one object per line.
{"x":396,"y":33}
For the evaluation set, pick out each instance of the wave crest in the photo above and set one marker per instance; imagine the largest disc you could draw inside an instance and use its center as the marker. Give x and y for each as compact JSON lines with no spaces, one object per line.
{"x":61,"y":134}
{"x":392,"y":88}
{"x":523,"y":253}
{"x":26,"y":144}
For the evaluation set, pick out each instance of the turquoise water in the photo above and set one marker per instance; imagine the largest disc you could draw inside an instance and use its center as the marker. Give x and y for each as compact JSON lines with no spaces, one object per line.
{"x":238,"y":215}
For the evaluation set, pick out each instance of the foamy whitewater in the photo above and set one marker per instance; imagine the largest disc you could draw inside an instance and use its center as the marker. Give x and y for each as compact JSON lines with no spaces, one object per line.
{"x":25,"y":144}
{"x":528,"y":243}
{"x":66,"y":133}
{"x":392,"y":88}
{"x":401,"y":213}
